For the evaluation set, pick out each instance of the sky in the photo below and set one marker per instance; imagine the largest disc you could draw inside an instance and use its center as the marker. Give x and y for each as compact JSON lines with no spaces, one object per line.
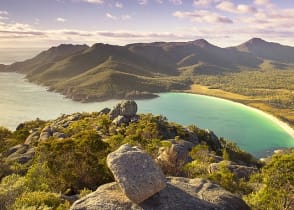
{"x":46,"y":23}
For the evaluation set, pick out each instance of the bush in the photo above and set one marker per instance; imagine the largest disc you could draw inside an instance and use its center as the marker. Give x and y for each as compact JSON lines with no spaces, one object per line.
{"x":75,"y":163}
{"x":5,"y":134}
{"x":38,"y":200}
{"x":202,"y":157}
{"x":276,"y":190}
{"x":231,"y":151}
{"x":11,"y":187}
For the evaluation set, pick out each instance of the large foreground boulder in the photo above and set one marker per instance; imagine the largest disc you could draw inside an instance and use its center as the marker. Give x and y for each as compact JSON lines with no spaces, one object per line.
{"x":180,"y":194}
{"x":136,"y":173}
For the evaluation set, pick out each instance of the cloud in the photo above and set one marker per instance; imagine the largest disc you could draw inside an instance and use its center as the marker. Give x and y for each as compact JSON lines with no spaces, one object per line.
{"x":203,"y":16}
{"x":176,"y":2}
{"x":126,"y":17}
{"x":34,"y":33}
{"x":143,"y":2}
{"x":3,"y":12}
{"x":203,"y":3}
{"x":3,"y":18}
{"x":60,"y":19}
{"x":110,"y":16}
{"x":228,"y":6}
{"x":118,"y":4}
{"x":261,"y":2}
{"x":144,"y":35}
{"x":159,"y":1}
{"x":3,"y":15}
{"x":94,"y":1}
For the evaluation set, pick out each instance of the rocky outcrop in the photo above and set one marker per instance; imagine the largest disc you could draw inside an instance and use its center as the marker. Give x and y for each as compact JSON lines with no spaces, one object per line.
{"x":213,"y":140}
{"x":180,"y":194}
{"x":33,"y":138}
{"x":104,"y":111}
{"x":240,"y":171}
{"x":125,"y":108}
{"x":124,"y":112}
{"x":141,"y":185}
{"x":20,"y":153}
{"x":173,"y":157}
{"x":136,"y":173}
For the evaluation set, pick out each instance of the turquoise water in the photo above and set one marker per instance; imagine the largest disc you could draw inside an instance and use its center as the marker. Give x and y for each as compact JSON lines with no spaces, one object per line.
{"x":252,"y":131}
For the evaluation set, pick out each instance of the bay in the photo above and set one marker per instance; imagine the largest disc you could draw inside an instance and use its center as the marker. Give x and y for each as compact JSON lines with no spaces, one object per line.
{"x":252,"y":130}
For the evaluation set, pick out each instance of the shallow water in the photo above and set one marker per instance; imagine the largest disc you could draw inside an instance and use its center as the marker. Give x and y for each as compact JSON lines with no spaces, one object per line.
{"x":251,"y":130}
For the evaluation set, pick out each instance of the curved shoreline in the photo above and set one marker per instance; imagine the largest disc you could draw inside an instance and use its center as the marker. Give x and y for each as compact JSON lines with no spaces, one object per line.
{"x":284,"y":125}
{"x":273,"y":118}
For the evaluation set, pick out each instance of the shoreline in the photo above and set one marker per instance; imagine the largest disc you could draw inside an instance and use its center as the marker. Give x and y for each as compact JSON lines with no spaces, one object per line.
{"x":239,"y":99}
{"x":284,"y":125}
{"x":273,"y":118}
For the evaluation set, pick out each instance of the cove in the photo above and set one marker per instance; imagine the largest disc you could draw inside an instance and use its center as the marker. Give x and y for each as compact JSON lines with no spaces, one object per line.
{"x":252,"y":130}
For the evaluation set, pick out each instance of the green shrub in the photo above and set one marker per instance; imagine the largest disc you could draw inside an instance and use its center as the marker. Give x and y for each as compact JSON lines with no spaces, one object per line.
{"x":84,"y":192}
{"x":38,"y":200}
{"x":11,"y":187}
{"x":231,"y":151}
{"x":202,"y":157}
{"x":75,"y":163}
{"x":276,"y":190}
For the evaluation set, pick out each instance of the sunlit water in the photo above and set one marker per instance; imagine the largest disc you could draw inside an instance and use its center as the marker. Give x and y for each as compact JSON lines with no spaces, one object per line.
{"x":21,"y":101}
{"x":11,"y":55}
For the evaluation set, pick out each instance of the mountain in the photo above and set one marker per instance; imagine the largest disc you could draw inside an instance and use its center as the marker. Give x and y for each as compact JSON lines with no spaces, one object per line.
{"x":44,"y":59}
{"x":198,"y":56}
{"x":268,"y":50}
{"x":105,"y":71}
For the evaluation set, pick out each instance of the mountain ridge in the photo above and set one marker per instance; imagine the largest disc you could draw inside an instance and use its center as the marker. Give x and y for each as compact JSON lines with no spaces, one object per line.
{"x":92,"y":73}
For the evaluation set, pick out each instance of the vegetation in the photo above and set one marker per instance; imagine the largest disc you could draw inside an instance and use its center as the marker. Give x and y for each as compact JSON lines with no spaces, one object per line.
{"x":268,"y":90}
{"x":76,"y":163}
{"x":274,"y":186}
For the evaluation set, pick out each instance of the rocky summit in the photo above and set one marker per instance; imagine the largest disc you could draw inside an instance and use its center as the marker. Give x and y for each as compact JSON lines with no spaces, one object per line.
{"x":140,"y":185}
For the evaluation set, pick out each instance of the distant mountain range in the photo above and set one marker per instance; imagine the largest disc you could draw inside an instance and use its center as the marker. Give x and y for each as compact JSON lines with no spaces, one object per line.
{"x":138,"y":70}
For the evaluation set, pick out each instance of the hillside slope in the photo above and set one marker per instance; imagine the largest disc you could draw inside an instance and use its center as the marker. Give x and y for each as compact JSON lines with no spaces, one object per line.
{"x":138,"y":70}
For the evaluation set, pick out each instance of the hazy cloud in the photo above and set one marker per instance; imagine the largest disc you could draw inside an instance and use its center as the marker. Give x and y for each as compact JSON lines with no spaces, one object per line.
{"x":3,"y":12}
{"x":159,"y":1}
{"x":176,"y":2}
{"x":228,"y":6}
{"x":130,"y":35}
{"x":118,"y":4}
{"x":94,"y":1}
{"x":205,"y":3}
{"x":35,"y":33}
{"x":261,"y":2}
{"x":201,"y":16}
{"x":60,"y":19}
{"x":143,"y":2}
{"x":126,"y":17}
{"x":110,"y":16}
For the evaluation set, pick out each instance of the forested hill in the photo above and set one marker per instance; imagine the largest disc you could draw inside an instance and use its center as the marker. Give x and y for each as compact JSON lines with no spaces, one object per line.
{"x":105,"y":71}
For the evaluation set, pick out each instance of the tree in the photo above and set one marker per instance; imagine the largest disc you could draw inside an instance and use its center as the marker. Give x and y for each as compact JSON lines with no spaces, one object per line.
{"x":277,"y":184}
